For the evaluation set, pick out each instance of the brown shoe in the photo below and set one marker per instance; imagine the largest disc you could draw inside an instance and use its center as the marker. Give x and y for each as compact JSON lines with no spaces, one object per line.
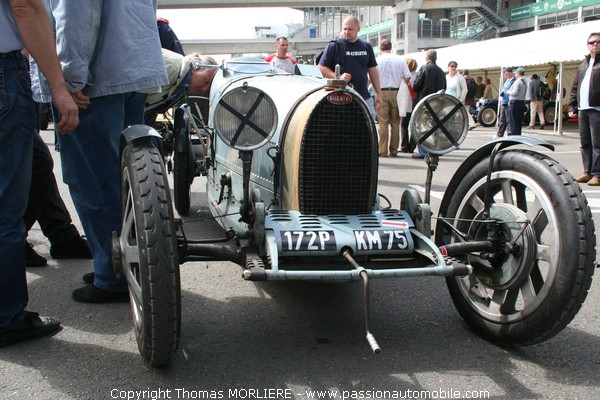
{"x":583,"y":178}
{"x":595,"y":181}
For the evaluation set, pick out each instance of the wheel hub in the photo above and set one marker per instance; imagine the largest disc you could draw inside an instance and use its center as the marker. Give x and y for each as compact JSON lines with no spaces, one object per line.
{"x":116,"y":254}
{"x":515,"y":243}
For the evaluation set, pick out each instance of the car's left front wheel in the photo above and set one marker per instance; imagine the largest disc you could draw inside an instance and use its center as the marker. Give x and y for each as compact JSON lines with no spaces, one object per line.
{"x":148,"y":248}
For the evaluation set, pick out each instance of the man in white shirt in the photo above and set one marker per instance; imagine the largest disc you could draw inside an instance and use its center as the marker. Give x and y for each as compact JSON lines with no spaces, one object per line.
{"x":393,"y":72}
{"x":280,"y":59}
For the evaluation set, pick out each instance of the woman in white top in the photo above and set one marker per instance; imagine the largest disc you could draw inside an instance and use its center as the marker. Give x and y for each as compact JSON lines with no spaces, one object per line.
{"x":455,"y":83}
{"x":457,"y":87}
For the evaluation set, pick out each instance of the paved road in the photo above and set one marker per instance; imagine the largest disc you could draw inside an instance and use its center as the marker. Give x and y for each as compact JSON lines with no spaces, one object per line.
{"x":269,"y":340}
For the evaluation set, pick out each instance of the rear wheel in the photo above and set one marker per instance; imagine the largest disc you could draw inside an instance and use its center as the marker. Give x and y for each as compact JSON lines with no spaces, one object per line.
{"x":487,"y":116}
{"x":530,"y":293}
{"x":549,"y":114}
{"x":183,"y":176}
{"x":148,"y":247}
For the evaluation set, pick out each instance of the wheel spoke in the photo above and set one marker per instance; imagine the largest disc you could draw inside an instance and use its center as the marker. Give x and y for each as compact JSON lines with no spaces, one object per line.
{"x":507,"y":193}
{"x":476,"y":203}
{"x":520,"y":193}
{"x":130,"y":249}
{"x":134,"y":286}
{"x":477,"y":289}
{"x":538,"y":217}
{"x":528,"y":291}
{"x":543,"y":253}
{"x":128,"y":239}
{"x":496,"y":301}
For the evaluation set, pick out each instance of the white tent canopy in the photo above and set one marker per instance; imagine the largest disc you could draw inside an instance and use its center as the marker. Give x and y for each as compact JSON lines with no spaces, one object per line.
{"x":561,"y":47}
{"x":555,"y":45}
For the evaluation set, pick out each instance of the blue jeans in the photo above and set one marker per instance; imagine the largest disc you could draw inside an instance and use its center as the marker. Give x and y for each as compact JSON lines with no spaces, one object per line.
{"x":91,"y":169}
{"x":371,"y":106}
{"x":589,"y":136}
{"x":18,"y":125}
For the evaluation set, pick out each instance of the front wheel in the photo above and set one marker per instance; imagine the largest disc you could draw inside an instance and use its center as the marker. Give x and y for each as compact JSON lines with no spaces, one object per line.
{"x":148,"y":247}
{"x":530,"y":293}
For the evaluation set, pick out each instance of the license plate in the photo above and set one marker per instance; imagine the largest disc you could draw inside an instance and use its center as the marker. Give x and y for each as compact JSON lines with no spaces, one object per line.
{"x":308,"y":240}
{"x":380,"y":240}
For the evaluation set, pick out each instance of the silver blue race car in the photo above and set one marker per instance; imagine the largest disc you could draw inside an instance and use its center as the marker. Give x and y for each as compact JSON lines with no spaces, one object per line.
{"x":290,"y":163}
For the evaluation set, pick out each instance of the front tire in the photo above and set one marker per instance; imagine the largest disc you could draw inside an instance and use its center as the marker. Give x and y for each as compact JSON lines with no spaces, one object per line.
{"x":149,"y":257}
{"x":537,"y":291}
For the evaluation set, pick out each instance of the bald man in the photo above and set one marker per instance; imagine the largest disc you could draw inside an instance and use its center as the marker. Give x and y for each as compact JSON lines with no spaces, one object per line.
{"x":359,"y":62}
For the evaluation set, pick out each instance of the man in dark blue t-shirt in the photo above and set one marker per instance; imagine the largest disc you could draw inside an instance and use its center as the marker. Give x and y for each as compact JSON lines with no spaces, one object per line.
{"x":358,"y":62}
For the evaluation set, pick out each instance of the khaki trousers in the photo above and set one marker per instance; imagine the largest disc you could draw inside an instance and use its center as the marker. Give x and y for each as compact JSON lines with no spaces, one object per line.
{"x":389,"y":123}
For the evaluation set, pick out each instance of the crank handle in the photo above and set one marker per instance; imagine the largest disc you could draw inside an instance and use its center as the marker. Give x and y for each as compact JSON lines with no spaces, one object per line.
{"x":373,"y":343}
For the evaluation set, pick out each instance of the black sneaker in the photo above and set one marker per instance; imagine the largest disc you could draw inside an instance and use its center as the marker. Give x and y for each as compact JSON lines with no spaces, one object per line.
{"x":89,"y":278}
{"x":74,"y":248}
{"x":33,"y":259}
{"x":32,"y":326}
{"x":92,"y":294}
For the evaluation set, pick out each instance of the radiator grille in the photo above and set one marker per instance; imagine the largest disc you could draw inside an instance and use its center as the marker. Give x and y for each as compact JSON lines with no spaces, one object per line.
{"x":338,"y":160}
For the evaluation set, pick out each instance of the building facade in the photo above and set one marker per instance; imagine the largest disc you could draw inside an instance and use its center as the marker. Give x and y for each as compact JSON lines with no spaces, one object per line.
{"x":414,"y":25}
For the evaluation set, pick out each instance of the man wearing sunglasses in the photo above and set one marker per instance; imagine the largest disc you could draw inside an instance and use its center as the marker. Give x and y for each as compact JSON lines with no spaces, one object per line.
{"x":585,"y":102}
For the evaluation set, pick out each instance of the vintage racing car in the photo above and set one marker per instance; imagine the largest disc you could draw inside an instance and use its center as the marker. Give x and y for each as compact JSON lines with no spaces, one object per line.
{"x":291,"y":169}
{"x":486,"y":112}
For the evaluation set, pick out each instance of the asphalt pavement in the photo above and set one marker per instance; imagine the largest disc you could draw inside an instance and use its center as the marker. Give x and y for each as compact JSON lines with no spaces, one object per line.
{"x":264,"y":340}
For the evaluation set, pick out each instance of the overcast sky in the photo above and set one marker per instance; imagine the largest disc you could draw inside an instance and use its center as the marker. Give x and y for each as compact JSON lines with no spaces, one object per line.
{"x":227,"y":23}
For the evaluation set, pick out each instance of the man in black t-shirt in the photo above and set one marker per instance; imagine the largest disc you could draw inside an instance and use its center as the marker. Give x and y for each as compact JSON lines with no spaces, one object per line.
{"x":359,"y":62}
